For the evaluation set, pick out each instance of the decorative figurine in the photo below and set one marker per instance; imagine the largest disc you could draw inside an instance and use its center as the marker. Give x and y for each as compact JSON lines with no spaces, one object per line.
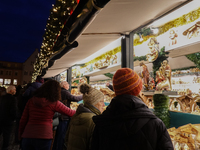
{"x":173,"y":37}
{"x":163,"y":77}
{"x":148,"y":82}
{"x":153,"y":50}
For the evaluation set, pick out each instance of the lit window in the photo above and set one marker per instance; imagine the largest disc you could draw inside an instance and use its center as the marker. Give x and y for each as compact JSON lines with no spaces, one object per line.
{"x":1,"y":81}
{"x":15,"y":82}
{"x":7,"y":81}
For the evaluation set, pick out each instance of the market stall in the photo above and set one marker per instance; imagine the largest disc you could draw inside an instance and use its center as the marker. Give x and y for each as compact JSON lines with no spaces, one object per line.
{"x":167,"y":50}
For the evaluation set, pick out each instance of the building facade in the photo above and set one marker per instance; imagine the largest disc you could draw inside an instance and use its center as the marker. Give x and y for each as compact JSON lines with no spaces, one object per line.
{"x":28,"y":68}
{"x":10,"y":73}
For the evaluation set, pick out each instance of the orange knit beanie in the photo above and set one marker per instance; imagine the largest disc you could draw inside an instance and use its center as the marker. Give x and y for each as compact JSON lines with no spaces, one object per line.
{"x":127,"y":81}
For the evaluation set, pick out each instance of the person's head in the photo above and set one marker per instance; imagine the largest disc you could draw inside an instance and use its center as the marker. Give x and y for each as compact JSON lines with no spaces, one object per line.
{"x":165,"y":62}
{"x":50,"y":90}
{"x":92,"y":96}
{"x":11,"y":90}
{"x":107,"y":83}
{"x":64,"y":84}
{"x":141,"y":64}
{"x":127,"y":81}
{"x":39,"y":79}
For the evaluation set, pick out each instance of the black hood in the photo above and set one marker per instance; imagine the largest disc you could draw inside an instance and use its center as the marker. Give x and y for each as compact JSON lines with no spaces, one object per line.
{"x":125,"y":113}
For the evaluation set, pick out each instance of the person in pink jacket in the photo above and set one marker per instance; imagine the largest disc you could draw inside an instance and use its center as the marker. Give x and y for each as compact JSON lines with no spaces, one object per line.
{"x":35,"y":128}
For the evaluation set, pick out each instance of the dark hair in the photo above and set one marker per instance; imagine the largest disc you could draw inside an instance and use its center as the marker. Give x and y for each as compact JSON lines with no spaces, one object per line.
{"x":84,"y":88}
{"x":50,"y":90}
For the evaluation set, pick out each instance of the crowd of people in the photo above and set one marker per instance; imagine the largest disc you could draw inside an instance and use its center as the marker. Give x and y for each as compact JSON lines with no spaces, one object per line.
{"x":127,"y":123}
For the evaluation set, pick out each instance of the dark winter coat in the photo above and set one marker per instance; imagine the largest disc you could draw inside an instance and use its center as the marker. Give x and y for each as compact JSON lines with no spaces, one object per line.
{"x":31,"y":89}
{"x":28,"y":94}
{"x":110,"y":87}
{"x":80,"y":129}
{"x":8,"y":109}
{"x":67,"y":98}
{"x":128,"y":124}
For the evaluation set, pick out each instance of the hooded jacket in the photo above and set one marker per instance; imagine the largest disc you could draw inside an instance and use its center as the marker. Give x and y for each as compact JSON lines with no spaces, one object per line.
{"x":81,"y":127}
{"x":31,"y":89}
{"x":8,"y":109}
{"x":128,"y":124}
{"x":36,"y":120}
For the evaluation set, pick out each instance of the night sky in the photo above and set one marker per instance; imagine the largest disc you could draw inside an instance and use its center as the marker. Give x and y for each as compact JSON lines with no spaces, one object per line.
{"x":22,"y":27}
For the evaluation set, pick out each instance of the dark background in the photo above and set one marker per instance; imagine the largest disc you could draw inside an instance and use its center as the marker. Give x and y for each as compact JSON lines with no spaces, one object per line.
{"x":22,"y":27}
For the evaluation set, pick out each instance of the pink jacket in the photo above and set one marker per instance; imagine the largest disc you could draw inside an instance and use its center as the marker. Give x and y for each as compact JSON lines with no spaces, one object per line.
{"x":36,"y":120}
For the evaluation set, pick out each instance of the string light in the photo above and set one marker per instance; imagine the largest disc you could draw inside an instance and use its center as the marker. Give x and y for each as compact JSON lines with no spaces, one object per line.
{"x":60,"y":11}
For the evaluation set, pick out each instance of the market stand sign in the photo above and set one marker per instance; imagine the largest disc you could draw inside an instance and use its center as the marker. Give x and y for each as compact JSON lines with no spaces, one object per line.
{"x":176,"y":33}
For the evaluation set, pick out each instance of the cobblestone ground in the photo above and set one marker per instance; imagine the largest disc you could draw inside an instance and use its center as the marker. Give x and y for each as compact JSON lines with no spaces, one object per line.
{"x":13,"y":145}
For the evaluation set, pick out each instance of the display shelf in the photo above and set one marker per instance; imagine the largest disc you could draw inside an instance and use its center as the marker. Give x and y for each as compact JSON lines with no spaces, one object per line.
{"x":186,"y":74}
{"x":189,"y":81}
{"x":110,"y":68}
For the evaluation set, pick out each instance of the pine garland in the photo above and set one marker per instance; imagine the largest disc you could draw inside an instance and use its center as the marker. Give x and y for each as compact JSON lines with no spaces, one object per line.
{"x":140,"y":58}
{"x":182,"y":20}
{"x":195,"y":57}
{"x":161,"y":108}
{"x":110,"y":75}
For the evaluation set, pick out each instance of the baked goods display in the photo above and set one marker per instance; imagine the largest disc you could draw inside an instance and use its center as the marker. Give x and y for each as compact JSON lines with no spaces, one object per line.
{"x":74,"y":105}
{"x":75,"y":92}
{"x":108,"y":94}
{"x":185,"y":137}
{"x":77,"y":81}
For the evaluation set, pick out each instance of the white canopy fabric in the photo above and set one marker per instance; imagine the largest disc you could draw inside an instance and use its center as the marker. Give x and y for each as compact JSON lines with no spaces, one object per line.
{"x":118,"y":17}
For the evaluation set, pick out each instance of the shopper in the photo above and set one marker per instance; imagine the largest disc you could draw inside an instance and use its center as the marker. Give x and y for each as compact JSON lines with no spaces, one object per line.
{"x":66,"y":99}
{"x":35,"y":127}
{"x":109,"y":86}
{"x":81,"y":125}
{"x":128,"y":123}
{"x":31,"y":89}
{"x":8,"y":112}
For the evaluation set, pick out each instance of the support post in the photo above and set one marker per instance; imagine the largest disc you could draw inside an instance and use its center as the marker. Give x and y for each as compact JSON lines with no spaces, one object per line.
{"x":127,"y":51}
{"x":69,"y":77}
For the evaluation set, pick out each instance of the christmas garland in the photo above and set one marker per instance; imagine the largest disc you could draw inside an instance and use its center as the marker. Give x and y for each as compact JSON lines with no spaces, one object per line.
{"x":110,"y":75}
{"x":183,"y":20}
{"x":195,"y":57}
{"x":161,"y":108}
{"x":140,"y":58}
{"x":103,"y":56}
